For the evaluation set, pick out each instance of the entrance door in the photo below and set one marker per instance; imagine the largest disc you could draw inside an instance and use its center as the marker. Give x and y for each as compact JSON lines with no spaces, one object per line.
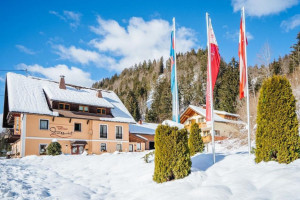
{"x":131,"y":148}
{"x":151,"y":145}
{"x":77,"y":149}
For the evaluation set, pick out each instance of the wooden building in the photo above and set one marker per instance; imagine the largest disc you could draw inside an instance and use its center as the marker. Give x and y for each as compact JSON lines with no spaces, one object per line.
{"x":226,"y":124}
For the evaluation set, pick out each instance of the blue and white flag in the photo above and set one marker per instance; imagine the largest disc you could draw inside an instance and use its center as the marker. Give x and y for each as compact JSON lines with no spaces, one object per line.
{"x":174,"y":85}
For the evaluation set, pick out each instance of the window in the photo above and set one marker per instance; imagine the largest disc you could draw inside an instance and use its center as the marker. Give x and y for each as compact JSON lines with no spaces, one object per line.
{"x":84,"y":108}
{"x":217,"y":133}
{"x":44,"y":124}
{"x":138,"y":146}
{"x":103,"y":147}
{"x":101,"y":111}
{"x":67,"y":106}
{"x":206,"y":133}
{"x":43,"y":148}
{"x":77,"y":127}
{"x":17,"y":123}
{"x":118,"y":132}
{"x":119,"y":147}
{"x":64,"y":106}
{"x":103,"y":131}
{"x":200,"y":120}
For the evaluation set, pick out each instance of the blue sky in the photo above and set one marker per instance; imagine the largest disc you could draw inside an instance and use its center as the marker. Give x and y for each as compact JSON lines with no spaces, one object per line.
{"x":90,"y":40}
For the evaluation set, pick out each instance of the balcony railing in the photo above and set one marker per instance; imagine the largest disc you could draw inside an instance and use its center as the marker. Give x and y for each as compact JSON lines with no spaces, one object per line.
{"x":119,"y":136}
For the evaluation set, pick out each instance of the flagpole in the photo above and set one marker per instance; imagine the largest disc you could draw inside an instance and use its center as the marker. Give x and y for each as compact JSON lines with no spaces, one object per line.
{"x":208,"y":22}
{"x":176,"y":89}
{"x":248,"y":108}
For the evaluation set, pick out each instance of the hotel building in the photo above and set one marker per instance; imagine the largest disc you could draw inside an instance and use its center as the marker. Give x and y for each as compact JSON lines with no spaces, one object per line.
{"x":38,"y":111}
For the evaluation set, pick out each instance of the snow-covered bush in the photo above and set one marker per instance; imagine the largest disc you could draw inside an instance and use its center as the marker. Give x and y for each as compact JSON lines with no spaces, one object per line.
{"x":195,"y":140}
{"x":277,"y":125}
{"x":54,"y":148}
{"x":147,"y":156}
{"x":172,"y":156}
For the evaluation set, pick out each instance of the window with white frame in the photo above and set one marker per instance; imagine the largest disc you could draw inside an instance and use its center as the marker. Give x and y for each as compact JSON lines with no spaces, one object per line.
{"x":119,"y":147}
{"x":103,"y":147}
{"x":43,"y":149}
{"x":103,"y":131}
{"x":119,"y":132}
{"x":44,"y":124}
{"x":138,"y":146}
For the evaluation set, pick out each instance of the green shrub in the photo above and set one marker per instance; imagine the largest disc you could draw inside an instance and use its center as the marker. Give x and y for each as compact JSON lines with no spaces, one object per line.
{"x":172,"y":157}
{"x":181,"y":158}
{"x":195,"y":140}
{"x":277,"y":125}
{"x":54,"y":148}
{"x":147,"y":156}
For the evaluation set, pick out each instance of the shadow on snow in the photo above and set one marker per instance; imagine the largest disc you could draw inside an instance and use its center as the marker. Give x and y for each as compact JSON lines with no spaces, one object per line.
{"x":201,"y":162}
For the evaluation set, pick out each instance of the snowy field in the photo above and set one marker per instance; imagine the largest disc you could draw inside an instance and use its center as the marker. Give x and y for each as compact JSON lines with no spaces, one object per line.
{"x":127,"y":176}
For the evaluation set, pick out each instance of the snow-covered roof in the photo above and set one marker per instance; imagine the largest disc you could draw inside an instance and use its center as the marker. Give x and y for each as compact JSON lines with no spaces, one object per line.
{"x":27,"y":94}
{"x":73,"y":95}
{"x":225,"y":113}
{"x":202,"y":112}
{"x":173,"y":124}
{"x":144,"y":128}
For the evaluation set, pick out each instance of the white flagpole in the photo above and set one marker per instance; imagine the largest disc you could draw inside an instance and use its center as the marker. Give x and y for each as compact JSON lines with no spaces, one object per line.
{"x":248,"y":109}
{"x":176,"y":89}
{"x":208,"y":24}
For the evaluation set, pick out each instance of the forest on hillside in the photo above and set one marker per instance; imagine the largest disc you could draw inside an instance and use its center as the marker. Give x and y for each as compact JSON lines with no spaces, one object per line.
{"x":145,"y":87}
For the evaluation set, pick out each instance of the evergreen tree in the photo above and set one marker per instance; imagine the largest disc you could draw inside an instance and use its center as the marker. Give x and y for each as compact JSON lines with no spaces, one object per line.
{"x":227,"y":87}
{"x":277,"y":136}
{"x":195,"y":140}
{"x":161,"y":65}
{"x":54,"y":148}
{"x":172,"y":157}
{"x":181,"y":159}
{"x":133,"y":106}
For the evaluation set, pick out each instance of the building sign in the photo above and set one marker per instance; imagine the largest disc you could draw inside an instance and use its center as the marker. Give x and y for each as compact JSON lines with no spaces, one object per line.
{"x":60,"y":131}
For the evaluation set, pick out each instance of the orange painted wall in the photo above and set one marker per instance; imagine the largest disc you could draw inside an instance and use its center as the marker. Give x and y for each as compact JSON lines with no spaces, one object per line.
{"x":89,"y":131}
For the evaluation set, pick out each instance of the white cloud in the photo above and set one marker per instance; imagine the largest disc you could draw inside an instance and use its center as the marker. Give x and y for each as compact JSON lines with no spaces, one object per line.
{"x":73,"y":18}
{"x":260,"y":8}
{"x":2,"y":79}
{"x":82,"y":56}
{"x":73,"y":75}
{"x":140,"y":40}
{"x":75,"y":54}
{"x":291,"y":23}
{"x":25,"y":49}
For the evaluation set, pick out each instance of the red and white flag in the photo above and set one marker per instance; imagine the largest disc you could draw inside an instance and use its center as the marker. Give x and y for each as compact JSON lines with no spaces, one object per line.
{"x":215,"y":66}
{"x":242,"y":59}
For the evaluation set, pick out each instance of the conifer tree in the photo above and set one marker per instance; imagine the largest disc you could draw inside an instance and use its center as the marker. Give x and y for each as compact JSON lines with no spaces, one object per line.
{"x":133,"y":106}
{"x":277,"y":136}
{"x":195,"y":140}
{"x":172,"y":156}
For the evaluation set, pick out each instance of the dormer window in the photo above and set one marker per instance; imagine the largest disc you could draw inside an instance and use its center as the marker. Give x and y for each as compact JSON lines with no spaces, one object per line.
{"x":64,"y":106}
{"x":101,"y":111}
{"x":83,"y":108}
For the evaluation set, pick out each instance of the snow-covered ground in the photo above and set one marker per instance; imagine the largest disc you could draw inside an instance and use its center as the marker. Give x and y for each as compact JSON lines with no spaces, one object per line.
{"x":127,"y":176}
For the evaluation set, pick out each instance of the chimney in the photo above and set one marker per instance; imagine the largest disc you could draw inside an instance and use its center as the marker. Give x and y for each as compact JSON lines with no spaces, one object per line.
{"x":99,"y":94}
{"x":62,"y":84}
{"x":140,"y":122}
